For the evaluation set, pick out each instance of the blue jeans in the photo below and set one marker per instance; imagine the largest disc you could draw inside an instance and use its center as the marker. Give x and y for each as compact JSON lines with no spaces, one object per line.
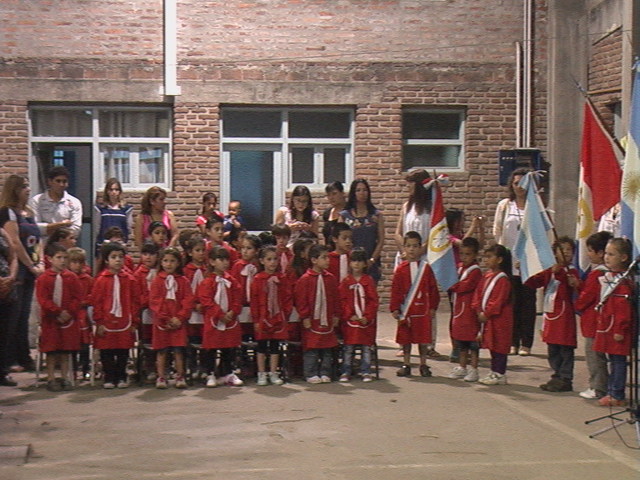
{"x":347,"y":359}
{"x":318,"y":362}
{"x":617,"y":375}
{"x":18,"y":352}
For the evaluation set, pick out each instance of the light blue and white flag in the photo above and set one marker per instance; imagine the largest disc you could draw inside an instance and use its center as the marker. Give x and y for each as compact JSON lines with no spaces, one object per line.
{"x":533,"y":248}
{"x":630,"y":186}
{"x":440,"y":249}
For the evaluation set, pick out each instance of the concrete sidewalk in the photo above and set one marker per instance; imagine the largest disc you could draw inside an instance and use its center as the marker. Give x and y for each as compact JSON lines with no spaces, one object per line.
{"x":398,"y":428}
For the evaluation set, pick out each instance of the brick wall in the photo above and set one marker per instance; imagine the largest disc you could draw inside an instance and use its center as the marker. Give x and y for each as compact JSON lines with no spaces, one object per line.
{"x":14,"y":138}
{"x":605,"y":73}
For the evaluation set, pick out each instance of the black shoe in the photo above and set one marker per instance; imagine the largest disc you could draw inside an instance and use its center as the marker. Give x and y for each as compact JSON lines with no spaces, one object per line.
{"x":425,"y":371}
{"x":404,"y":371}
{"x":7,"y":381}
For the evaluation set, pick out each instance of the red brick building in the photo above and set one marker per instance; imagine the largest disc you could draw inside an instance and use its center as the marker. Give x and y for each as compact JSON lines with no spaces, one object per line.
{"x":270,"y":94}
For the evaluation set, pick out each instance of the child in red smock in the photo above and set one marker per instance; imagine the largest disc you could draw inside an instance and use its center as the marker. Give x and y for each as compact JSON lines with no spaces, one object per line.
{"x":271,"y":305}
{"x":559,"y":320}
{"x":464,"y":319}
{"x":171,"y":303}
{"x":358,"y":315}
{"x":492,"y":301}
{"x":414,"y":301}
{"x":318,"y":304}
{"x":614,"y":330}
{"x":221,"y":298}
{"x":58,"y":292}
{"x":244,"y":271}
{"x":116,"y":306}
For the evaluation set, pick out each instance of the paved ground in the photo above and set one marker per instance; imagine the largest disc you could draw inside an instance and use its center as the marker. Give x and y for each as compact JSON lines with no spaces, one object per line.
{"x":395,"y":428}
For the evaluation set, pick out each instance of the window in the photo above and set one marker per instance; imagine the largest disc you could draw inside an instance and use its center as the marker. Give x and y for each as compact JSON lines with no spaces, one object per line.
{"x":132,"y":144}
{"x":433,"y":138}
{"x":267,"y":151}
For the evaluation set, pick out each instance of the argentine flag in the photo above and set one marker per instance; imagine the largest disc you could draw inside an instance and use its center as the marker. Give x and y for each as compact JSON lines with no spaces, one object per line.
{"x":630,"y":186}
{"x":440,"y":250}
{"x":533,"y":249}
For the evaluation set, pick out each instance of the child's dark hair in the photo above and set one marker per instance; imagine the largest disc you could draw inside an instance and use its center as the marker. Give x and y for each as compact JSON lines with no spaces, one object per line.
{"x":359,"y":255}
{"x":316,"y":250}
{"x":334,"y":187}
{"x":280,"y":230}
{"x":308,"y":234}
{"x":150,"y":247}
{"x":113,"y":232}
{"x":154,"y":225}
{"x":267,"y":238}
{"x":263,"y":253}
{"x":412,"y":235}
{"x":563,"y":240}
{"x":219,"y":252}
{"x":254,"y":240}
{"x":175,"y":253}
{"x":184,"y":237}
{"x":212,"y":220}
{"x":77,"y":254}
{"x":206,"y":197}
{"x":472,"y":243}
{"x":234,"y":234}
{"x":623,"y":246}
{"x":299,"y":264}
{"x":59,"y":234}
{"x":502,"y":252}
{"x":107,"y":249}
{"x":193,"y":241}
{"x":453,"y":215}
{"x":598,"y":241}
{"x":338,"y":228}
{"x":52,"y":248}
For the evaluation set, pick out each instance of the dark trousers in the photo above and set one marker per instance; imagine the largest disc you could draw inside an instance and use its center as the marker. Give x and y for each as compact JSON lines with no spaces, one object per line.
{"x":561,"y":360}
{"x":498,"y":362}
{"x":227,"y":362}
{"x":8,"y":310}
{"x":18,"y":328}
{"x":617,"y":375}
{"x":114,"y":364}
{"x":524,"y":314}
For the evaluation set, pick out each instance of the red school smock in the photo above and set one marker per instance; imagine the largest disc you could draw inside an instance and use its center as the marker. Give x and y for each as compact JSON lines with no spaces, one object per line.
{"x":559,"y":325}
{"x":587,"y":300}
{"x":271,"y":317}
{"x":464,"y":319}
{"x":194,"y":324}
{"x":493,"y":298}
{"x":417,"y":325}
{"x":614,"y":317}
{"x":321,"y":334}
{"x":215,"y":334}
{"x":244,"y":272}
{"x":284,"y":258}
{"x":55,"y":336}
{"x":163,"y":309}
{"x":339,"y":265}
{"x":86,"y":330}
{"x":119,"y":333}
{"x":359,"y":295}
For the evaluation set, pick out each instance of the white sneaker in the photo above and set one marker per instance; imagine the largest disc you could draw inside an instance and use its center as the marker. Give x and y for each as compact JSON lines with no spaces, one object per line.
{"x":494,"y":378}
{"x":161,"y":383}
{"x":124,"y":384}
{"x":325,"y":379}
{"x":344,"y":378}
{"x":366,"y":377}
{"x":274,"y":378}
{"x":108,"y":385}
{"x":472,"y":375}
{"x":262,"y":379}
{"x":458,"y":372}
{"x":181,"y":382}
{"x":589,"y":393}
{"x":233,"y":380}
{"x":211,"y":381}
{"x":314,"y":380}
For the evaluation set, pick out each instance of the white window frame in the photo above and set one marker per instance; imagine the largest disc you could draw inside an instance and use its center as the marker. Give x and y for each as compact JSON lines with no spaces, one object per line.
{"x":285,"y":142}
{"x":439,"y":142}
{"x":96,"y":142}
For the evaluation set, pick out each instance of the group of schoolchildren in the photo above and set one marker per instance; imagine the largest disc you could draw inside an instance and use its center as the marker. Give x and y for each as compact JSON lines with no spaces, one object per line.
{"x":213,"y":296}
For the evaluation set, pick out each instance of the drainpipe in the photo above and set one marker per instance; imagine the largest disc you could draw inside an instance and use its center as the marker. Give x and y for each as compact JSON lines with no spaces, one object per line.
{"x":170,"y":87}
{"x":527,"y":61}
